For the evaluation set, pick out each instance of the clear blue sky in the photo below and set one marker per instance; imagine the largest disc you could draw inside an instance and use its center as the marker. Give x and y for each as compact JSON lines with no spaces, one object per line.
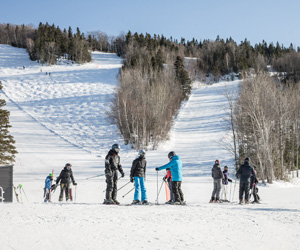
{"x":256,"y":20}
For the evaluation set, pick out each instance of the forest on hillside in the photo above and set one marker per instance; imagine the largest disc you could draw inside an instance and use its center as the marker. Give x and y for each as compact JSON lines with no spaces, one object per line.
{"x":156,"y":78}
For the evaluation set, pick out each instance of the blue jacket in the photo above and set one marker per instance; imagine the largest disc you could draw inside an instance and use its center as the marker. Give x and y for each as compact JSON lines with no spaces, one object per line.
{"x":176,"y":168}
{"x":48,"y":182}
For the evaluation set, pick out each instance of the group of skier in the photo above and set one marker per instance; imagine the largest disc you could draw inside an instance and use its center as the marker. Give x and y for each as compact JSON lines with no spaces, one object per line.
{"x":248,"y":181}
{"x":173,"y":179}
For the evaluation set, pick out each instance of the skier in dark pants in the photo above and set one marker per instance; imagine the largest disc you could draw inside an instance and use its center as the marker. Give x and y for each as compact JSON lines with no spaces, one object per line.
{"x":65,"y":177}
{"x":217,"y":175}
{"x":244,"y":173}
{"x":112,"y":164}
{"x":175,"y":165}
{"x":253,"y":183}
{"x":138,"y":175}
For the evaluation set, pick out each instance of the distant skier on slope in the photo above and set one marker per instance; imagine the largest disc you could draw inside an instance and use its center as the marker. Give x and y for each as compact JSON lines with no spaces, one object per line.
{"x":47,"y":188}
{"x":244,"y":173}
{"x":225,"y":182}
{"x":65,"y":177}
{"x":112,"y":164}
{"x":217,"y":175}
{"x":175,"y":166}
{"x":138,"y":175}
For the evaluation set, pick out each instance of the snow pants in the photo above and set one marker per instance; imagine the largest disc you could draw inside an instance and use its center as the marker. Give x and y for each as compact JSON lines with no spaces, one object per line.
{"x":171,"y":190}
{"x":111,"y":187}
{"x":176,"y":188}
{"x":139,"y":183}
{"x":244,"y":189}
{"x":46,"y":194}
{"x":64,"y":188}
{"x":217,"y":189}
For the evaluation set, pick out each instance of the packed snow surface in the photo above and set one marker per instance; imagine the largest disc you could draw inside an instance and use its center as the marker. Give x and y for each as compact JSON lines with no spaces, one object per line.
{"x":60,"y":114}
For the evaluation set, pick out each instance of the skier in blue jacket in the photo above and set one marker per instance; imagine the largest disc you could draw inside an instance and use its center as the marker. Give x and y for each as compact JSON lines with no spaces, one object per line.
{"x":47,"y":189}
{"x":175,"y":166}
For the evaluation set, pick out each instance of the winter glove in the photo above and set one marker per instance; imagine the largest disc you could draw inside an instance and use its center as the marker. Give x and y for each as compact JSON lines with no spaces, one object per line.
{"x":122,"y":175}
{"x":165,"y":178}
{"x":75,"y":184}
{"x":156,"y":169}
{"x":131,"y":179}
{"x":229,"y":180}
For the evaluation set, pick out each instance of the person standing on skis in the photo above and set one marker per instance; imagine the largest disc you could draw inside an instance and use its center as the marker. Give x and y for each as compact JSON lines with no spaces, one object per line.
{"x":48,"y":186}
{"x":175,"y":166}
{"x":244,"y":173}
{"x":112,"y":165}
{"x":217,"y":175}
{"x":253,"y":186}
{"x":65,"y":178}
{"x":138,"y":175}
{"x":225,"y":182}
{"x":168,"y":179}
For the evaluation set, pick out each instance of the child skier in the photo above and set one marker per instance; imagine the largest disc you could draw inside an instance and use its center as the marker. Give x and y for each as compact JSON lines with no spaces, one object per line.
{"x":168,"y":179}
{"x":253,"y":186}
{"x":175,"y":165}
{"x":65,"y":177}
{"x":138,"y":175}
{"x":225,"y":182}
{"x":217,"y":175}
{"x":47,"y":188}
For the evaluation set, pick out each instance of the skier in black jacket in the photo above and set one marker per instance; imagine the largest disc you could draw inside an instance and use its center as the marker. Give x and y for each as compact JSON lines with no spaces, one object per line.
{"x":244,"y":173}
{"x":112,"y":164}
{"x":138,"y":175}
{"x":65,"y":177}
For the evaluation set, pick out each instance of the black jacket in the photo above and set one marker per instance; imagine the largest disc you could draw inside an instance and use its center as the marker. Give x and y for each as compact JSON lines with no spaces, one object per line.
{"x":217,"y":172}
{"x":245,"y":171}
{"x":138,"y":168}
{"x":112,"y":163}
{"x":66,"y":175}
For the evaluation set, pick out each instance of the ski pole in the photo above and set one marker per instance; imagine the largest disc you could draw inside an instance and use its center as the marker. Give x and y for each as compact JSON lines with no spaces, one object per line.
{"x":230,"y":191}
{"x":94,"y":176}
{"x":233,"y":190}
{"x":25,"y":194}
{"x":127,"y":192}
{"x":124,"y":185}
{"x":160,"y":187}
{"x":75,"y":192}
{"x":157,"y":187}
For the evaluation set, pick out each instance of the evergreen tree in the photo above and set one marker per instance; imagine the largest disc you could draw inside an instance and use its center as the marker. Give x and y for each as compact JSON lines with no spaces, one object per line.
{"x":7,"y":149}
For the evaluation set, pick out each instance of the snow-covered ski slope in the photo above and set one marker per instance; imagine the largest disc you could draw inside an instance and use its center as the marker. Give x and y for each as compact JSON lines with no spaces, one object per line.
{"x":62,"y":117}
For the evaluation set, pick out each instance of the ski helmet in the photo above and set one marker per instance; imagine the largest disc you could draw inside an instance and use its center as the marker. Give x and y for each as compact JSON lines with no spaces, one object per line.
{"x":247,"y":159}
{"x":226,"y":168}
{"x":171,"y":154}
{"x":51,"y":174}
{"x":116,"y":147}
{"x":142,"y":152}
{"x":68,"y":165}
{"x":217,"y":162}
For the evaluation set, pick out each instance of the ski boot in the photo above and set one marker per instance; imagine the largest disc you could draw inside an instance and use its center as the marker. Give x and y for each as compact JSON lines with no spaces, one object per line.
{"x":136,"y":202}
{"x":241,"y":202}
{"x":176,"y":203}
{"x":108,"y":202}
{"x":169,"y":202}
{"x":212,"y":200}
{"x":116,"y":202}
{"x":246,"y":202}
{"x":145,"y":202}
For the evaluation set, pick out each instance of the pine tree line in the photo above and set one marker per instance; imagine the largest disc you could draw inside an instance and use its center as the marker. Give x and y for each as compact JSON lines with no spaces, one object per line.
{"x":7,"y":149}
